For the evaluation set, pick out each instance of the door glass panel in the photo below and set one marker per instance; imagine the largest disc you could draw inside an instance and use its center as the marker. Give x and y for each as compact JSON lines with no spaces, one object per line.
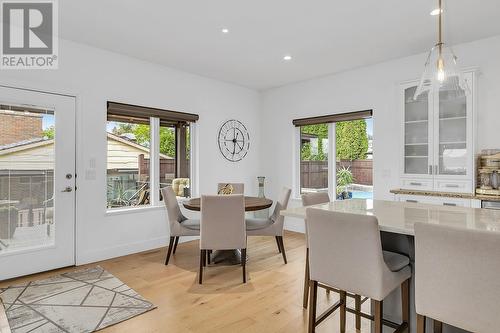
{"x":452,"y":134}
{"x":416,"y":117}
{"x":26,"y":178}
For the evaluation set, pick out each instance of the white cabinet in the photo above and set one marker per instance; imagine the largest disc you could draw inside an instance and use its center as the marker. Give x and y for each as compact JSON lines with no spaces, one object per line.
{"x":437,"y":136}
{"x":441,"y":201}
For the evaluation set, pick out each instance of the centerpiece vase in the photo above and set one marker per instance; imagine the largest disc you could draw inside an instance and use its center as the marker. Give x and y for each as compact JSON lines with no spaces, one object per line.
{"x":264,"y":213}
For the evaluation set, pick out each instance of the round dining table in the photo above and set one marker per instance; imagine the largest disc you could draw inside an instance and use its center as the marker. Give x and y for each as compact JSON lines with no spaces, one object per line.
{"x":230,"y":257}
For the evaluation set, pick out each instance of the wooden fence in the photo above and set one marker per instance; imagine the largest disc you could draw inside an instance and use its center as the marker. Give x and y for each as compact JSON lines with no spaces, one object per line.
{"x":314,"y":174}
{"x":167,"y":168}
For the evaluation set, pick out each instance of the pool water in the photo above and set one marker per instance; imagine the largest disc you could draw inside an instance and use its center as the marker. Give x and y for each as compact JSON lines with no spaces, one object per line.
{"x":362,"y":195}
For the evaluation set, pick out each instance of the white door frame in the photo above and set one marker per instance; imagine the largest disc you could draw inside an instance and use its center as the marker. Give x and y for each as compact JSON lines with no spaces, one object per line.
{"x":63,"y":92}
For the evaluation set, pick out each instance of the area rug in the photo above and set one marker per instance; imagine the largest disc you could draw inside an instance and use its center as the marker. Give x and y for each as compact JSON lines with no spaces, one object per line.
{"x":82,"y":301}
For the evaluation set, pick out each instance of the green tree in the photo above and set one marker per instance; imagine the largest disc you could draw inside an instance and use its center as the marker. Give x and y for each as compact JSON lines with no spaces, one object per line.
{"x":49,"y":132}
{"x":142,"y":135}
{"x":352,"y":140}
{"x":319,"y":131}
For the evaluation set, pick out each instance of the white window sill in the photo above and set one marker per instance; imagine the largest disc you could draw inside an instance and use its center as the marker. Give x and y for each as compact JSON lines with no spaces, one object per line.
{"x":140,"y":209}
{"x":131,"y":210}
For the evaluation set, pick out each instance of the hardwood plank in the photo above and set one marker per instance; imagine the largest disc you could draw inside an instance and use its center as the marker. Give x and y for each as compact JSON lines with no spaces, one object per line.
{"x":270,"y":301}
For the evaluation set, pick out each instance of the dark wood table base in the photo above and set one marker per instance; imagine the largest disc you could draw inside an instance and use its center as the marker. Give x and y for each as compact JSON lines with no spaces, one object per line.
{"x":226,"y":257}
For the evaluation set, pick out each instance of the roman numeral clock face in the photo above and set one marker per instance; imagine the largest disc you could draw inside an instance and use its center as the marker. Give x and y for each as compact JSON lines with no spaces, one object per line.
{"x":234,"y":140}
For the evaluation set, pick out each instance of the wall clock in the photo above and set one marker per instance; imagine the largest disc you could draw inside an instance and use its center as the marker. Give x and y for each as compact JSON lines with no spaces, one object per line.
{"x":234,"y":140}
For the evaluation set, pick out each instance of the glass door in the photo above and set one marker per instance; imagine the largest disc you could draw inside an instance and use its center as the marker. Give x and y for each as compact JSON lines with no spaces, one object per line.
{"x":37,"y":181}
{"x":453,"y":135}
{"x":416,"y":134}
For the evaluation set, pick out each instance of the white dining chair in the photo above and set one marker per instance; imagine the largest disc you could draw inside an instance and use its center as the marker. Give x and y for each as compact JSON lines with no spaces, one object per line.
{"x":179,"y":224}
{"x":222,"y":227}
{"x":457,"y":278}
{"x":230,"y":188}
{"x":272,"y":226}
{"x":345,"y":251}
{"x":309,"y":199}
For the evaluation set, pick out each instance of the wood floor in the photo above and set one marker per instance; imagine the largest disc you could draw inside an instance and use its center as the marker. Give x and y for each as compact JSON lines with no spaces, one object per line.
{"x":270,"y":301}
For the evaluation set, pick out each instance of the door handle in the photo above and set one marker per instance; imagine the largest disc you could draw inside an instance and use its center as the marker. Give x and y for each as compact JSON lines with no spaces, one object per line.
{"x":67,"y":189}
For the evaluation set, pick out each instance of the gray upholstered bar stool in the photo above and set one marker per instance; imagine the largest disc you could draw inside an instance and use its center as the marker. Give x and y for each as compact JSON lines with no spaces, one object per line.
{"x":316,"y":198}
{"x":179,"y":224}
{"x":272,"y":226}
{"x":345,"y":251}
{"x":222,"y":227}
{"x":230,"y":188}
{"x":309,"y":199}
{"x":457,"y":278}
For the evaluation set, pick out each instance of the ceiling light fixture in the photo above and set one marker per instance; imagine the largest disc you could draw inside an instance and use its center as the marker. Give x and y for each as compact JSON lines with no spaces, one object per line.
{"x":441,"y":72}
{"x":287,"y":58}
{"x":436,"y":11}
{"x":225,"y":30}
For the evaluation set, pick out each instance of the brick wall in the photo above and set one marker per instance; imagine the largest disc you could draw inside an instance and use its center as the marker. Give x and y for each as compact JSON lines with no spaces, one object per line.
{"x":19,"y":126}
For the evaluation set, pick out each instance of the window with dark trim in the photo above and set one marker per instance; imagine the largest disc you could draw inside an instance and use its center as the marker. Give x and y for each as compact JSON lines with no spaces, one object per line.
{"x":147,"y":149}
{"x":335,"y":155}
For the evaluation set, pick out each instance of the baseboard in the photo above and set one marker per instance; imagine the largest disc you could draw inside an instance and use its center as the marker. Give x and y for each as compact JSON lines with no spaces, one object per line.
{"x":125,"y":249}
{"x":296,"y":225}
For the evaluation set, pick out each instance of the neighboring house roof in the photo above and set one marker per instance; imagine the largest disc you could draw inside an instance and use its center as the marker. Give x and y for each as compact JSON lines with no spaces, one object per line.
{"x":37,"y":154}
{"x":133,"y":144}
{"x":25,"y":144}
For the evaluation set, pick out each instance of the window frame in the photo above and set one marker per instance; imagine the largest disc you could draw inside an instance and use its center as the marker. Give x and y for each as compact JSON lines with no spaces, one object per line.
{"x":154,"y":168}
{"x":332,"y":179}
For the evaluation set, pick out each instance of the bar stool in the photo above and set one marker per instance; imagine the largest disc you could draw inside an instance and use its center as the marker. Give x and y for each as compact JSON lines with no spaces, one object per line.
{"x":309,"y":199}
{"x":345,"y":251}
{"x":457,"y":278}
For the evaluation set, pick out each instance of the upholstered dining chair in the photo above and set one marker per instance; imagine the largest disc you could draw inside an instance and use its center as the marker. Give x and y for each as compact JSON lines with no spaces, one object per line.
{"x":272,"y":226}
{"x":222,"y":227}
{"x":230,"y":188}
{"x":309,"y":199}
{"x":179,"y":224}
{"x":345,"y":251}
{"x":457,"y":278}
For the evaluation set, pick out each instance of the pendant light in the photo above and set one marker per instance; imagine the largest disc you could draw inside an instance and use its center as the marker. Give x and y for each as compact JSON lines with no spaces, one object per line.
{"x":441,"y":72}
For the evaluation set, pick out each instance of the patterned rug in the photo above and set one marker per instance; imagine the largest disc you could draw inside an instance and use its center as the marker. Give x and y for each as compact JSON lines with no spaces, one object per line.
{"x":81,"y":301}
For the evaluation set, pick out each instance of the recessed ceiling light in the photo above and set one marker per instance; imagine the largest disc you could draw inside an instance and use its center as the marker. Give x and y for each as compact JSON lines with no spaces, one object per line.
{"x":225,"y":31}
{"x":436,"y":11}
{"x":287,"y":58}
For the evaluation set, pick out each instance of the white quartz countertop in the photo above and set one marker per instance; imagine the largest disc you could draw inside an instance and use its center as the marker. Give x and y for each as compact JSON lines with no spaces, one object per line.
{"x":399,"y":217}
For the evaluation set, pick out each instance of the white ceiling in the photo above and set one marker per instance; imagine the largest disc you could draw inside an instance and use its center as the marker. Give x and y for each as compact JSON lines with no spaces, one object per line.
{"x":323,"y":36}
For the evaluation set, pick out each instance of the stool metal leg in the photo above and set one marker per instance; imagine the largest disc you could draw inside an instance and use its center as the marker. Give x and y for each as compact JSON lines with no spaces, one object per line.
{"x":306,"y":281}
{"x":377,"y":310}
{"x":420,"y":323}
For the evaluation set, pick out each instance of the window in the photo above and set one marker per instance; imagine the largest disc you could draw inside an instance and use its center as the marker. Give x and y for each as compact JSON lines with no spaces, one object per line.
{"x":314,"y":158}
{"x":348,"y":137}
{"x":128,"y":176}
{"x":148,"y":149}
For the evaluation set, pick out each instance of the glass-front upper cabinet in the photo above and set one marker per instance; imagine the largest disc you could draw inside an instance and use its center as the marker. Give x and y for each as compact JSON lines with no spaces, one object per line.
{"x":416,"y":133}
{"x":453,"y":135}
{"x":437,"y":142}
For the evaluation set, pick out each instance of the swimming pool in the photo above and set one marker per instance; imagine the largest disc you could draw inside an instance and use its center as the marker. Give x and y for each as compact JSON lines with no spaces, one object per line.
{"x":362,"y":195}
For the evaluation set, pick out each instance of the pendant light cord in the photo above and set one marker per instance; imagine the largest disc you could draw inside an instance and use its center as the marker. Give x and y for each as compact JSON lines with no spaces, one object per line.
{"x":440,"y":27}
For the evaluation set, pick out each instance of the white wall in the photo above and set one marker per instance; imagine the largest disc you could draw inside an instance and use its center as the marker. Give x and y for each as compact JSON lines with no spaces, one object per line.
{"x":373,"y":87}
{"x":97,"y":76}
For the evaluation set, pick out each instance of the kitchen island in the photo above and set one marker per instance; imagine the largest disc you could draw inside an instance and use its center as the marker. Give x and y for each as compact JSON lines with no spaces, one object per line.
{"x":396,"y":221}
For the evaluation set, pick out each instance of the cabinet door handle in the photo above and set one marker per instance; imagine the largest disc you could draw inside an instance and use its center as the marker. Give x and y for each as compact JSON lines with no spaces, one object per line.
{"x":449,"y":204}
{"x":452,"y":185}
{"x":411,"y":200}
{"x":416,"y":184}
{"x":430,"y":169}
{"x":436,"y":169}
